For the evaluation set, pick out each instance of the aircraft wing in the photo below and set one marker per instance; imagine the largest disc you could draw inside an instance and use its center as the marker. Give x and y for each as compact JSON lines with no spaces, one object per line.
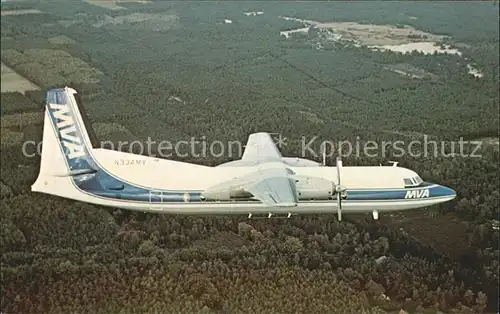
{"x":275,"y":188}
{"x":260,"y":147}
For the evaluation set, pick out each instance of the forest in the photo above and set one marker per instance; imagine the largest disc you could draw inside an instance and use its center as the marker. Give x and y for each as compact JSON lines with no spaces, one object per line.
{"x":175,"y":70}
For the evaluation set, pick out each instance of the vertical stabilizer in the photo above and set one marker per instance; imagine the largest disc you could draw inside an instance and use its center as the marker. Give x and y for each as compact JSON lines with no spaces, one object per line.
{"x":67,"y":145}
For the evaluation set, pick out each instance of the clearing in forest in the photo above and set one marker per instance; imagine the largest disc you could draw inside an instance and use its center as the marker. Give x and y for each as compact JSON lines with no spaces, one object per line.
{"x":113,"y":5}
{"x":397,"y":38}
{"x":13,"y":82}
{"x":369,"y":34}
{"x":51,"y":66}
{"x":20,"y":12}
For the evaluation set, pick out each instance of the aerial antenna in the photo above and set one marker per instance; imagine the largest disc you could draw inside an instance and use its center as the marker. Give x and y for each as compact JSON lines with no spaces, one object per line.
{"x":276,"y":140}
{"x":393,"y":163}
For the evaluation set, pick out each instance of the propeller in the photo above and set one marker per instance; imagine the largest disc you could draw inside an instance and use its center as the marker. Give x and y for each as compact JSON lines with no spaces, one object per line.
{"x":339,"y":189}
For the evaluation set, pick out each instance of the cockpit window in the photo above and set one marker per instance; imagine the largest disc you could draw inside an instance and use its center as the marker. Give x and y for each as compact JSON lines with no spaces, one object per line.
{"x":415,"y":181}
{"x":408,"y":182}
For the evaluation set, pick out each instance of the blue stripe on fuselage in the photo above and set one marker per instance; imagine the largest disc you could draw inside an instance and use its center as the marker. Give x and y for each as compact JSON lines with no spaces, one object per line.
{"x":428,"y":191}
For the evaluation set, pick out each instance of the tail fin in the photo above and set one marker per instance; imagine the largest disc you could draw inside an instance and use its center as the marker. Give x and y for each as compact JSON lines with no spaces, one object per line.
{"x":67,"y":142}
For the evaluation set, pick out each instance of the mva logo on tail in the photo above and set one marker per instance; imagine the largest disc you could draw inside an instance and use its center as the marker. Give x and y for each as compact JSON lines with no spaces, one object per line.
{"x":417,"y":193}
{"x":69,"y":135}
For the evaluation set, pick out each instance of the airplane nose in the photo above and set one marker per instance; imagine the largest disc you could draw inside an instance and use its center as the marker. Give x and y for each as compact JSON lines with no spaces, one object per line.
{"x":442,"y":191}
{"x":448,"y":192}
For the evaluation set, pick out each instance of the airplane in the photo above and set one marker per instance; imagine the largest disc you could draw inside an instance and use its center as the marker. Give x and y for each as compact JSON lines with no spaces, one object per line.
{"x":262,"y":184}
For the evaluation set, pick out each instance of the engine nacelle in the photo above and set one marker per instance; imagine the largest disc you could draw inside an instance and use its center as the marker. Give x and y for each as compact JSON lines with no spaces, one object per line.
{"x":308,"y":188}
{"x":314,"y":188}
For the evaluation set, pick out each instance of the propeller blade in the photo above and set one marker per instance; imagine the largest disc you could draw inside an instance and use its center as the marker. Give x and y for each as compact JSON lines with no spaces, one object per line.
{"x":338,"y":170}
{"x":323,"y":150}
{"x":339,"y":197}
{"x":339,"y":207}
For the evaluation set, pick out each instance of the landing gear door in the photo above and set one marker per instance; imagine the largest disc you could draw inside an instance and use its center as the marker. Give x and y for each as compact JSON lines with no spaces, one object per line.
{"x":155,"y":200}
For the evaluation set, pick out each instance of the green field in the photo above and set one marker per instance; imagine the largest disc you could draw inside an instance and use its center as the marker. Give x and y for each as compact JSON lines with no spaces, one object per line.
{"x":171,"y":71}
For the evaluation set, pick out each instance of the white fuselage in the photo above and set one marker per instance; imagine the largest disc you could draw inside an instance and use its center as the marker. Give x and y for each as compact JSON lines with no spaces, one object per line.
{"x":379,"y":188}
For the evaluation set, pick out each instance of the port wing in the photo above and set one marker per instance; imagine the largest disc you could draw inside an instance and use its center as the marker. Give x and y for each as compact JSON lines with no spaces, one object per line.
{"x":273,"y":187}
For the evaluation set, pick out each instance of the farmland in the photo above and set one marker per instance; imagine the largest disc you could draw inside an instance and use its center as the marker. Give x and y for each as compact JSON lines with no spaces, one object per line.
{"x":172,"y":71}
{"x":13,"y":82}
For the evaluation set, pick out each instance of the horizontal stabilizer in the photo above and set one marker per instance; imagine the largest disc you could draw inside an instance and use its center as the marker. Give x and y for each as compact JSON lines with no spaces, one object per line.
{"x":76,"y":172}
{"x":118,"y":187}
